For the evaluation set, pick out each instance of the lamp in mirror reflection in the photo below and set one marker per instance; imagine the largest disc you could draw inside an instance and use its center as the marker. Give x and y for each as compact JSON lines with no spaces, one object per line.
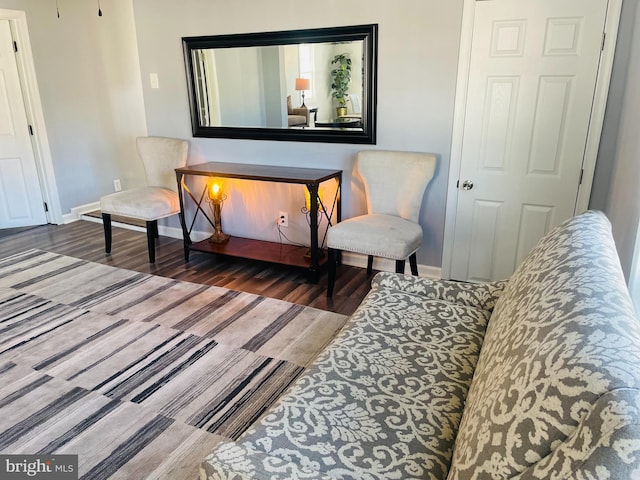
{"x":302,"y":84}
{"x":216,"y":199}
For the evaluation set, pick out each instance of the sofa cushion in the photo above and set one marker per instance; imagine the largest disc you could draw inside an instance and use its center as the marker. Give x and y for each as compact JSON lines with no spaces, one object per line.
{"x":385,"y":399}
{"x":231,"y":461}
{"x":562,"y":335}
{"x":482,"y":296}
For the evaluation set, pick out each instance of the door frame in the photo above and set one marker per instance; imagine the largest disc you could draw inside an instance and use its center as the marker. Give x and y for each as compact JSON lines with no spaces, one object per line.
{"x":593,"y":135}
{"x":35,"y":116}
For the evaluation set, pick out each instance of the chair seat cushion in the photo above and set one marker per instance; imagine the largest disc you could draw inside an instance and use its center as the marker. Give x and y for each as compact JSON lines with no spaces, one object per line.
{"x":297,"y":120}
{"x":379,"y":235}
{"x":146,"y":203}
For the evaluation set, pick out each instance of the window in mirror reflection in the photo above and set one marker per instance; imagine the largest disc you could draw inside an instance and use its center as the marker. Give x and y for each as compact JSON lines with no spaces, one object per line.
{"x":305,"y":57}
{"x":256,"y":86}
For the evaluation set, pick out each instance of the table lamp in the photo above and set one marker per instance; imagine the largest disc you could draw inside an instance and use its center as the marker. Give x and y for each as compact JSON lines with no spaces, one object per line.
{"x":302,"y":84}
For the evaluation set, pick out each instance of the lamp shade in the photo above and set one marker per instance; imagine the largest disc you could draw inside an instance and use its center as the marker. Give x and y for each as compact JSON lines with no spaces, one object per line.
{"x":302,"y":84}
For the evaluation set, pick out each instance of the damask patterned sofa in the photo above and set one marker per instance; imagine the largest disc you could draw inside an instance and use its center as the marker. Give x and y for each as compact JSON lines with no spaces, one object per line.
{"x":536,"y":377}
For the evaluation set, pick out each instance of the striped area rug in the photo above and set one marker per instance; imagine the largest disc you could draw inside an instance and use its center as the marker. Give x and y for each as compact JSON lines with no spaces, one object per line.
{"x":139,"y":375}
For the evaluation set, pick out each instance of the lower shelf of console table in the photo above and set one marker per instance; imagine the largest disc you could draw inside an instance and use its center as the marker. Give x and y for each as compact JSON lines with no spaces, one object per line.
{"x":284,"y":254}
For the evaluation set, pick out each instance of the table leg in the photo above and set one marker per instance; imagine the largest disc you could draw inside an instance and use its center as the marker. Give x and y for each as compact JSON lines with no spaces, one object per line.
{"x":313,"y":218}
{"x":186,"y":239}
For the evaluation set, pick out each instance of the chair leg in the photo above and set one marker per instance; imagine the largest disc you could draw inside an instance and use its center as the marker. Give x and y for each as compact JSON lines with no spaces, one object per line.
{"x":400,"y":266}
{"x":369,"y":264}
{"x":106,"y":223}
{"x":331,"y":271}
{"x":152,"y":227}
{"x":413,"y":262}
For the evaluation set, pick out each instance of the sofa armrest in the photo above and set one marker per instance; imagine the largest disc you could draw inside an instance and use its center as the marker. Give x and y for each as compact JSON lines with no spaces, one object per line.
{"x":479,"y":295}
{"x":606,"y":443}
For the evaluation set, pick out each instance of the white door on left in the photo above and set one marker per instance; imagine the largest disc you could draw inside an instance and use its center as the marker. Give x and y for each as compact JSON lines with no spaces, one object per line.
{"x":21,"y":202}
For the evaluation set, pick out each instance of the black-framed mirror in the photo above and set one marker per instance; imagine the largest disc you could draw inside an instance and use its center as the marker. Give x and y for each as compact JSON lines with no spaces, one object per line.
{"x":285,"y":85}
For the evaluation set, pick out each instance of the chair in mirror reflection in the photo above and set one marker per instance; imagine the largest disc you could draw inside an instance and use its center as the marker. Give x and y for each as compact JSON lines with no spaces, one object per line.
{"x":394,"y":183}
{"x":297,"y":117}
{"x":158,"y":199}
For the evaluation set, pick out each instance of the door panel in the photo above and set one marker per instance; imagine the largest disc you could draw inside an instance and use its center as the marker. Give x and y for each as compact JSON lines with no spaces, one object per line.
{"x":532,"y":76}
{"x":486,"y":216}
{"x":15,"y":195}
{"x":21,"y":201}
{"x":535,"y":222}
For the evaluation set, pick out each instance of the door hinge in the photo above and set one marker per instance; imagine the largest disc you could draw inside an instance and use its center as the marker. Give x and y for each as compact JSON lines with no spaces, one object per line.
{"x":30,"y":130}
{"x":604,"y":36}
{"x":46,"y":207}
{"x":15,"y":46}
{"x":581,"y":175}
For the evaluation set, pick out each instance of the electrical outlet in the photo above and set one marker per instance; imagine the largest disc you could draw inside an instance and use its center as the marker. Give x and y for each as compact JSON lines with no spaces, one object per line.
{"x":116,"y":185}
{"x":283,"y":219}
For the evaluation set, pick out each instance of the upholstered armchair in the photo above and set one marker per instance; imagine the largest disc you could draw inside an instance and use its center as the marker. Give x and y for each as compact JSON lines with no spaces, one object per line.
{"x":297,"y":116}
{"x":394,"y":186}
{"x":159,"y":199}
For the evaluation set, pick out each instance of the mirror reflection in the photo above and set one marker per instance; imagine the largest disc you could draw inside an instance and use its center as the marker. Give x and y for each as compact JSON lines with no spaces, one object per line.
{"x":286,"y":86}
{"x":308,"y":85}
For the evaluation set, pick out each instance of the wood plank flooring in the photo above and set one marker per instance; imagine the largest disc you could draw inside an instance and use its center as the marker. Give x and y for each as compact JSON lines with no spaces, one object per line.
{"x":85,"y":240}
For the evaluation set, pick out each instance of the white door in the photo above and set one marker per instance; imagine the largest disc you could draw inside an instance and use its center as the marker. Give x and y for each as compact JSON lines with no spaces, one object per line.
{"x":532,"y":77}
{"x":21,"y":202}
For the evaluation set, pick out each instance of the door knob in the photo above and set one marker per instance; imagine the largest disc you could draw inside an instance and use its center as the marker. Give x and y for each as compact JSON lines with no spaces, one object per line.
{"x":467,"y":185}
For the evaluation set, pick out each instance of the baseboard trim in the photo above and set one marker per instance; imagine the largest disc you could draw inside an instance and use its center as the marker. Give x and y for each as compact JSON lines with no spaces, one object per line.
{"x":170,"y":232}
{"x":76,"y":212}
{"x":387,"y":265}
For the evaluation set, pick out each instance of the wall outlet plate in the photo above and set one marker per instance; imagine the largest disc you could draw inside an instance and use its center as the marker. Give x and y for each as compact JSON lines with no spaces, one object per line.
{"x":116,"y":185}
{"x":283,"y":219}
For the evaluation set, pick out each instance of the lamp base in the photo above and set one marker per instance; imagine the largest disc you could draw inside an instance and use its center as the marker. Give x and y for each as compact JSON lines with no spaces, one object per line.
{"x":320,"y":253}
{"x":219,"y":237}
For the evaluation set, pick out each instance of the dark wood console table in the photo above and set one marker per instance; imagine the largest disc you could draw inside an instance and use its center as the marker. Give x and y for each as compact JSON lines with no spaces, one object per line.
{"x":293,"y":255}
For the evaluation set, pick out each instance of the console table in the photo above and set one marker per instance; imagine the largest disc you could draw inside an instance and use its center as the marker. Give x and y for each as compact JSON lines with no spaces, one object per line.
{"x":285,"y":254}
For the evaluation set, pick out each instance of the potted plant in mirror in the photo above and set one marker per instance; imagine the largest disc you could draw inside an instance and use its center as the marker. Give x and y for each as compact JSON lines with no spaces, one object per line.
{"x":341,"y":77}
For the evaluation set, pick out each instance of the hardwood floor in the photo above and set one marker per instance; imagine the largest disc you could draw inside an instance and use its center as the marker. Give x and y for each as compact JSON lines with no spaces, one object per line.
{"x":5,"y":232}
{"x":85,"y":240}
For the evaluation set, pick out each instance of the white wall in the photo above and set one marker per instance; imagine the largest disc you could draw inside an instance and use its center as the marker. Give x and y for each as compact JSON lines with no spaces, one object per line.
{"x":89,"y":81}
{"x":609,"y":138}
{"x":623,"y":205}
{"x":418,"y":50}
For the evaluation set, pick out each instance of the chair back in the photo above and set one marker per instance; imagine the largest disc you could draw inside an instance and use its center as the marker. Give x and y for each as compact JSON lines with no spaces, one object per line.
{"x":395,"y":181}
{"x":353,"y":104}
{"x":160,"y":157}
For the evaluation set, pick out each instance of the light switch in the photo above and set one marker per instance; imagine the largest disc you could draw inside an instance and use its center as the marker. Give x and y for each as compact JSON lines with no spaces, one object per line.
{"x":153,"y":79}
